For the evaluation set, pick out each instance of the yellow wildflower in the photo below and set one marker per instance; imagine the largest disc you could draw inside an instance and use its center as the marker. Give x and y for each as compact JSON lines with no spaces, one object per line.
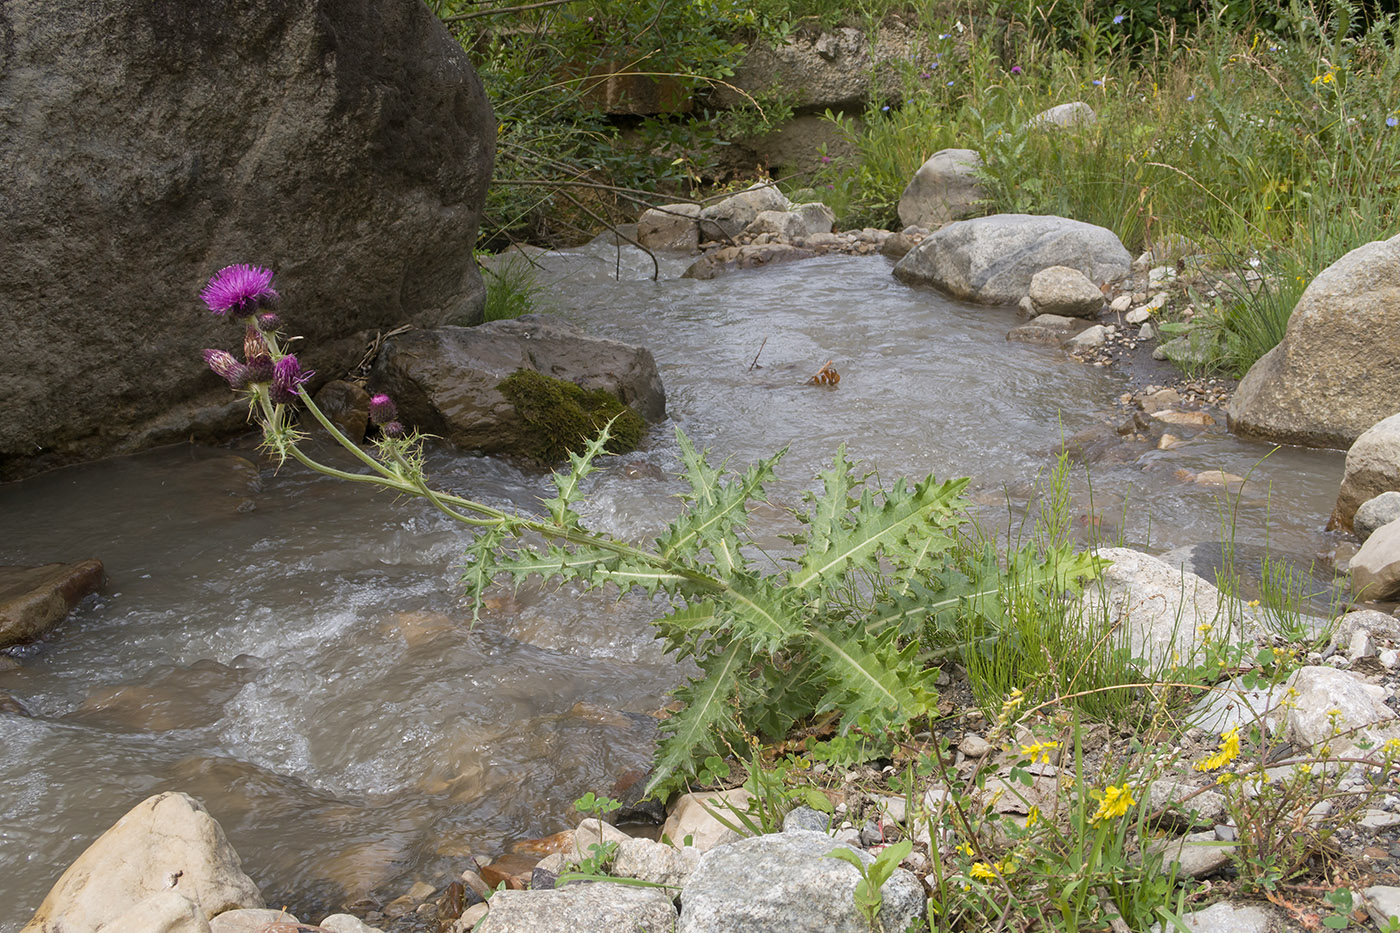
{"x":964,"y":848}
{"x":1229,"y":750}
{"x":1005,"y":866}
{"x":1391,"y":748}
{"x":1225,"y":778}
{"x":1116,"y":801}
{"x":1033,"y":816}
{"x":1205,"y":628}
{"x":1254,"y":604}
{"x":1040,"y":751}
{"x":982,"y":871}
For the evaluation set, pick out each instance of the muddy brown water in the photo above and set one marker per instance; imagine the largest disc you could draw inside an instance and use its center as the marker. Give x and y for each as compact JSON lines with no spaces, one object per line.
{"x":294,"y":651}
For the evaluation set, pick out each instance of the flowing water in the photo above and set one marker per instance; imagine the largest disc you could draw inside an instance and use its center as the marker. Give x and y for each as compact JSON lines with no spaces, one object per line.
{"x":294,"y":652}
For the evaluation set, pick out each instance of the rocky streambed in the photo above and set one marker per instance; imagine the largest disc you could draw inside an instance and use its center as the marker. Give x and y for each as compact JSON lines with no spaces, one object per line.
{"x":293,"y":653}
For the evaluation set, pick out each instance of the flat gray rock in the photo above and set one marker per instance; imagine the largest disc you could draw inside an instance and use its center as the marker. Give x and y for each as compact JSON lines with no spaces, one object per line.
{"x":1226,"y":917}
{"x":786,"y":882}
{"x":598,"y":906}
{"x":991,"y":260}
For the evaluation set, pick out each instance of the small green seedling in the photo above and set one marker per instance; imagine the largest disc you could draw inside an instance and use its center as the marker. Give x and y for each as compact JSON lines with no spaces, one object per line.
{"x":873,"y":878}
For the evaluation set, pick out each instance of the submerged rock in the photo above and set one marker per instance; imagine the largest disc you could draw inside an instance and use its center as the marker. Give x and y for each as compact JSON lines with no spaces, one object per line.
{"x":347,"y":145}
{"x":35,"y":599}
{"x":992,"y":260}
{"x":454,"y":382}
{"x":752,"y":256}
{"x":1316,"y":388}
{"x":167,"y":845}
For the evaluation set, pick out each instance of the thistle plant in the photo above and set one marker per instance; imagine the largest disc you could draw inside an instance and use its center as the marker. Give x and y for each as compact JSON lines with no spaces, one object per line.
{"x":847,"y":623}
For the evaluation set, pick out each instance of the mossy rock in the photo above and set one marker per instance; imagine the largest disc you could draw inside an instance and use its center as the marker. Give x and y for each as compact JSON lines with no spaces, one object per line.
{"x":560,"y":416}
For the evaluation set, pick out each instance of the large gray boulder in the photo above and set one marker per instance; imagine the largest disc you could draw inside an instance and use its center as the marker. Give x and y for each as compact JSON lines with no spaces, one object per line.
{"x":784,"y":882}
{"x":446,"y":381}
{"x":1331,"y":378}
{"x":166,"y":842}
{"x":944,"y":188}
{"x":1372,"y":468}
{"x":147,"y":144}
{"x":991,"y":260}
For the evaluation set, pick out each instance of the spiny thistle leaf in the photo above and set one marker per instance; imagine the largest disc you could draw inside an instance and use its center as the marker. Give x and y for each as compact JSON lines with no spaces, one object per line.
{"x":715,"y":508}
{"x":709,"y":716}
{"x":898,"y":527}
{"x":871,"y":675}
{"x":481,"y":568}
{"x":580,"y":466}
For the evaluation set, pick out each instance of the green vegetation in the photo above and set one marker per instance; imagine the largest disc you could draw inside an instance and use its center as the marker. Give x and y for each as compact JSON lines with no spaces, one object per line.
{"x":1055,"y":828}
{"x":511,"y":290}
{"x":561,"y":416}
{"x":1266,"y":135}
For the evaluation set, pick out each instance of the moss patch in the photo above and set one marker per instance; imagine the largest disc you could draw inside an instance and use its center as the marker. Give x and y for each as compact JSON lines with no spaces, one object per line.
{"x":560,"y":417}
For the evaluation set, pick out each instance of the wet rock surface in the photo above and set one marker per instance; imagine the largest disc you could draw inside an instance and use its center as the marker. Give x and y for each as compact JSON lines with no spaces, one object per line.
{"x":35,"y":599}
{"x":447,"y":381}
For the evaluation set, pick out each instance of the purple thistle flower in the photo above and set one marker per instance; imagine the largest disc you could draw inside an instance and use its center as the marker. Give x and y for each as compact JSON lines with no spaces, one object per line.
{"x":1015,"y":69}
{"x":287,"y":377}
{"x":234,"y":373}
{"x":382,"y":410}
{"x":268,"y":322}
{"x":257,"y":356}
{"x":392,"y":429}
{"x":239,"y":290}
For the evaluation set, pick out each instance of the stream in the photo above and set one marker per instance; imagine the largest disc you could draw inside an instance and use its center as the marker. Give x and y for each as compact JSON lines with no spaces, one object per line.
{"x":294,"y":651}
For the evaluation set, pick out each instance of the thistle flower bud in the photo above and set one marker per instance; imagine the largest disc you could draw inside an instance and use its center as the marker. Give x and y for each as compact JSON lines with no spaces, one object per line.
{"x":382,"y":410}
{"x":392,"y":429}
{"x":257,"y":356}
{"x":232,"y":371}
{"x":268,"y":322}
{"x":287,"y":377}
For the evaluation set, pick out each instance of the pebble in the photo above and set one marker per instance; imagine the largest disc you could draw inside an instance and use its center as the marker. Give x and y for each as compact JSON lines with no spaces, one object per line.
{"x":1123,"y":303}
{"x":1138,"y":316}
